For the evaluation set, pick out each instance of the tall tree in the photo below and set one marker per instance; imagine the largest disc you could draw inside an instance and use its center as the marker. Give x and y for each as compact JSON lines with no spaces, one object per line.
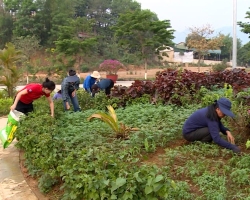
{"x":227,"y":47}
{"x":201,"y":40}
{"x":243,"y":56}
{"x":76,"y":40}
{"x":245,"y":26}
{"x":143,"y":33}
{"x":28,"y":45}
{"x":10,"y":73}
{"x":6,"y":25}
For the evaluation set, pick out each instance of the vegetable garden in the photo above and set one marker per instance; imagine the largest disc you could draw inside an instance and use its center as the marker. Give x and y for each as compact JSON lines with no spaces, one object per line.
{"x":74,"y":158}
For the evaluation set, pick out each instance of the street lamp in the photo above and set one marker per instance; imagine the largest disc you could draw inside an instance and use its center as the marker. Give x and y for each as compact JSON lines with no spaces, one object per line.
{"x":234,"y":61}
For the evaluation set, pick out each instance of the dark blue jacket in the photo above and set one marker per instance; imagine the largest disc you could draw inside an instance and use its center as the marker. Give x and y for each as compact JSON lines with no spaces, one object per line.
{"x":104,"y":83}
{"x":199,"y":120}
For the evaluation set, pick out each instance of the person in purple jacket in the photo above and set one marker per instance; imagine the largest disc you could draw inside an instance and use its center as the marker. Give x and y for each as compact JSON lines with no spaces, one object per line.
{"x":205,"y":125}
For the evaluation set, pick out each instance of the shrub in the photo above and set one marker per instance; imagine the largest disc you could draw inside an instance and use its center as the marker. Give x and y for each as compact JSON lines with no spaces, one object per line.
{"x":5,"y":106}
{"x":220,"y":67}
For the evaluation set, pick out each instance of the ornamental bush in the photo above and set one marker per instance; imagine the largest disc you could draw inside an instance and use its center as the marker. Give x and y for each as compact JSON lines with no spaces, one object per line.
{"x":111,"y":66}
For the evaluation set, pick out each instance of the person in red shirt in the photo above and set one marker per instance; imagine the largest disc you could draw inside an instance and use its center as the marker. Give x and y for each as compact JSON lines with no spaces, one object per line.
{"x":25,"y":97}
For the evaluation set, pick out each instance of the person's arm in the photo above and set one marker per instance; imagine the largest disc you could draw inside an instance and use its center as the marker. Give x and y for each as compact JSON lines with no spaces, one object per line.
{"x":226,"y":132}
{"x":51,"y":105}
{"x":214,"y":130}
{"x":77,"y":83}
{"x":18,"y":96}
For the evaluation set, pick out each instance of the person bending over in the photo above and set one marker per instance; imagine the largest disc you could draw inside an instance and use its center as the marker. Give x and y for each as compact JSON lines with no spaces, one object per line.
{"x":90,"y":80}
{"x":104,"y":84}
{"x":68,"y":87}
{"x":205,"y":125}
{"x":23,"y":101}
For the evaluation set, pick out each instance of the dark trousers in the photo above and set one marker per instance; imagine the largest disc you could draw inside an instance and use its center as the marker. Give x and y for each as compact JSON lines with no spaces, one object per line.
{"x":24,"y":108}
{"x":201,"y":134}
{"x":108,"y":89}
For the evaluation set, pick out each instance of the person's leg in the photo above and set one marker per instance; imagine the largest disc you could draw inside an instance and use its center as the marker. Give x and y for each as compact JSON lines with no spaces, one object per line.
{"x":201,"y":134}
{"x":75,"y":103}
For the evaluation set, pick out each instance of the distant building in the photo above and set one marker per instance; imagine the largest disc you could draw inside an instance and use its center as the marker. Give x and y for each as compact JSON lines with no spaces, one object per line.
{"x":180,"y":53}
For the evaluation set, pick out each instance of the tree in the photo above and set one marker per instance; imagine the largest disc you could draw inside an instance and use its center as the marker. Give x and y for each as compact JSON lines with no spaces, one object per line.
{"x":245,"y":26}
{"x":201,"y":39}
{"x":76,"y":40}
{"x":227,"y":47}
{"x":28,"y":45}
{"x":10,"y":73}
{"x":6,"y":25}
{"x":244,"y":54}
{"x":141,"y":32}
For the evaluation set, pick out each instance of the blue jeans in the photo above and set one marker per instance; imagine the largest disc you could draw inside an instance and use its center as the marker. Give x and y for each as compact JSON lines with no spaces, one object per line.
{"x":74,"y":102}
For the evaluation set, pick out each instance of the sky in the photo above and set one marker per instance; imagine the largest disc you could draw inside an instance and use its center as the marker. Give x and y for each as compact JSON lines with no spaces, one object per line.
{"x":196,"y":13}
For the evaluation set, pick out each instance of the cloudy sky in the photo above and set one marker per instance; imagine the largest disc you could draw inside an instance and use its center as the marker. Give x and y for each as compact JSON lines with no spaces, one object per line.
{"x":188,"y":13}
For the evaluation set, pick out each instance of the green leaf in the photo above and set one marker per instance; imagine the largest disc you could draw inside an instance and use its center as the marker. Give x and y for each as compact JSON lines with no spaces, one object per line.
{"x":118,"y":183}
{"x":106,"y":182}
{"x":158,"y":178}
{"x":148,"y":190}
{"x":157,"y":186}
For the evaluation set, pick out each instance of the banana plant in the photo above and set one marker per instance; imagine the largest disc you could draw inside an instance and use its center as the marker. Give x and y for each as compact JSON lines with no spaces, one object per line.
{"x":120,"y":129}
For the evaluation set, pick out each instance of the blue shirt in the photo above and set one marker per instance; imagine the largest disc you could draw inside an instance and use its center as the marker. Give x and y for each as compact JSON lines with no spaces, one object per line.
{"x":199,"y":120}
{"x":88,"y":82}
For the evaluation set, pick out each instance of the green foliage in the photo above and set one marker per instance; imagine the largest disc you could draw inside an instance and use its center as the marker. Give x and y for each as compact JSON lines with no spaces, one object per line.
{"x":121,"y":131}
{"x":5,"y":104}
{"x":89,"y":160}
{"x":248,"y":144}
{"x":46,"y":182}
{"x":10,"y":73}
{"x":244,"y":54}
{"x":221,"y":66}
{"x":143,"y":32}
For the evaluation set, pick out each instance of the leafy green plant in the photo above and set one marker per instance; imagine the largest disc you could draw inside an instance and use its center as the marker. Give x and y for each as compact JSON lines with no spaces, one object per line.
{"x":248,"y":144}
{"x":5,"y":106}
{"x":121,"y":131}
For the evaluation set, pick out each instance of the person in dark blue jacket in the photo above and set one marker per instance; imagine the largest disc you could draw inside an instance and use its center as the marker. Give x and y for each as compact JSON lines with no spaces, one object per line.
{"x":205,"y":125}
{"x":90,"y":80}
{"x":104,"y":84}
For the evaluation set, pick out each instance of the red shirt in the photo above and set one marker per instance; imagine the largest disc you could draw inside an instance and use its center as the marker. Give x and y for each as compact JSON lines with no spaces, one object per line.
{"x":34,"y":92}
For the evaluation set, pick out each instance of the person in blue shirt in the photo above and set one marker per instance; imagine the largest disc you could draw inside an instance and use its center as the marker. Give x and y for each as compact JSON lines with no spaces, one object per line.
{"x":205,"y":125}
{"x":104,"y":84}
{"x":69,"y":86}
{"x":90,"y":80}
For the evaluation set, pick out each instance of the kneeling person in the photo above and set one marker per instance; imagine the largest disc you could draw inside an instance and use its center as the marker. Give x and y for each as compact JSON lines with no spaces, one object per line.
{"x":104,"y":84}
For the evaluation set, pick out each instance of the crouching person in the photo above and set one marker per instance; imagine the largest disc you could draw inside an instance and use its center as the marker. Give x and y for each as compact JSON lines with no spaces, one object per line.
{"x":205,"y":125}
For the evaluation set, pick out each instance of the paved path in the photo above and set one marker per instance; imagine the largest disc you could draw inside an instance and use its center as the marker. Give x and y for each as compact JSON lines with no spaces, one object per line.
{"x":12,"y":183}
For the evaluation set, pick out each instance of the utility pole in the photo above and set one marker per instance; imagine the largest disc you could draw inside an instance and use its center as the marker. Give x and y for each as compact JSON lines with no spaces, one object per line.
{"x":234,"y":61}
